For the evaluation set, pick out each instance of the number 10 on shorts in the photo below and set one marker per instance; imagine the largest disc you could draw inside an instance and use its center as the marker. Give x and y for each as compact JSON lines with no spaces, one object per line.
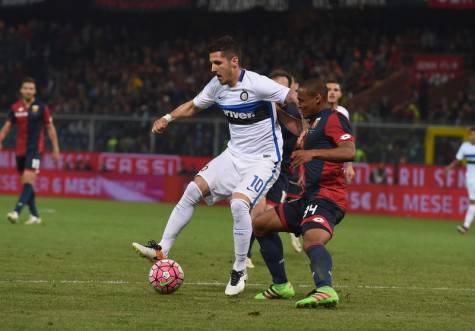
{"x":256,"y":184}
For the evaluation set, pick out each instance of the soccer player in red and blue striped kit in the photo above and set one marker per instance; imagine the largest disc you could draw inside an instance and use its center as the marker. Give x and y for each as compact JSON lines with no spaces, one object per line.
{"x":326,"y":145}
{"x":30,"y":116}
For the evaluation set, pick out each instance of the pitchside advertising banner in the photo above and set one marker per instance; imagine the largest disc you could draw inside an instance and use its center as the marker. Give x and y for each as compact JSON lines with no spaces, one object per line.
{"x":405,"y":190}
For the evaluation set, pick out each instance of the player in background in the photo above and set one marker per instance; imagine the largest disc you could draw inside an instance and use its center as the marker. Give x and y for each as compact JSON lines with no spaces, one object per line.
{"x":334,"y":96}
{"x":327,"y":144}
{"x":278,"y":192}
{"x":30,"y":116}
{"x":249,"y":166}
{"x":467,"y":152}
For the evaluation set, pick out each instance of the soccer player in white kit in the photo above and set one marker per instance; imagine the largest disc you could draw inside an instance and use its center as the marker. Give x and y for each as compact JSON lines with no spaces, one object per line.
{"x":467,"y":152}
{"x":334,"y":96}
{"x":249,"y":166}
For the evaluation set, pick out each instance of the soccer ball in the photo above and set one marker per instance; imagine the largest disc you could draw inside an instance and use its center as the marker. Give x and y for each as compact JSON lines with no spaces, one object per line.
{"x":166,"y":276}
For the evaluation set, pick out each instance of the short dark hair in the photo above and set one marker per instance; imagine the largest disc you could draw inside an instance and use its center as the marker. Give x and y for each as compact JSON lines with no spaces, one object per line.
{"x":281,"y":73}
{"x":27,"y":79}
{"x":225,"y":44}
{"x":332,"y":81}
{"x":315,"y":87}
{"x":472,"y":129}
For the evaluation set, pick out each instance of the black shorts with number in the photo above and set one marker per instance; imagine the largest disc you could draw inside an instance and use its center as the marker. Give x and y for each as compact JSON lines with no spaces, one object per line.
{"x":301,"y":215}
{"x":278,"y":191}
{"x":29,"y":161}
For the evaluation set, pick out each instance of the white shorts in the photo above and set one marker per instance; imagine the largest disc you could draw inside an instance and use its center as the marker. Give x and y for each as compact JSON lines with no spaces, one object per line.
{"x":230,"y":173}
{"x":471,"y":187}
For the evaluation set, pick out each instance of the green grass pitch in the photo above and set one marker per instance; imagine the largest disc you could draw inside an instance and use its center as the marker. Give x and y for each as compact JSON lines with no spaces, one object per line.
{"x":79,"y":272}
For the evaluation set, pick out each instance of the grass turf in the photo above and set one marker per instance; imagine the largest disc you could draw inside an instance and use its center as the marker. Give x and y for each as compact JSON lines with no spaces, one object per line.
{"x":391,"y":274}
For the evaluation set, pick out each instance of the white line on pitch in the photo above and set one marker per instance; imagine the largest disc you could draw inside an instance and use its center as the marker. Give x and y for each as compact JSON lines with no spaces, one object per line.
{"x":124,"y":282}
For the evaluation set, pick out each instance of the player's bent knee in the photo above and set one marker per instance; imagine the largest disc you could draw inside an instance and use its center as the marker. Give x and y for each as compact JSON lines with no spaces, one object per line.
{"x":266,"y":223}
{"x":239,"y":206}
{"x":202,"y":185}
{"x":28,"y":177}
{"x":315,"y":237}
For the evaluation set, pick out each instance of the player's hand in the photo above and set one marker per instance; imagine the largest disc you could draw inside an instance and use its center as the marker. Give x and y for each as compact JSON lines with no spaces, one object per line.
{"x":300,"y":157}
{"x":56,"y":155}
{"x":300,"y":140}
{"x":159,"y":126}
{"x":349,"y":174}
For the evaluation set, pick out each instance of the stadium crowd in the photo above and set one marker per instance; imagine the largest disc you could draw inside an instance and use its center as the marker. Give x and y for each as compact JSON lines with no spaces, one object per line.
{"x":107,"y":69}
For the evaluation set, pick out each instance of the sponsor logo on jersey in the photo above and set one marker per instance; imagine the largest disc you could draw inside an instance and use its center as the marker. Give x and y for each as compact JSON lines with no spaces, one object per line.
{"x":35,"y":108}
{"x":21,"y":114}
{"x":235,"y":114}
{"x":345,"y":136}
{"x":244,"y":96}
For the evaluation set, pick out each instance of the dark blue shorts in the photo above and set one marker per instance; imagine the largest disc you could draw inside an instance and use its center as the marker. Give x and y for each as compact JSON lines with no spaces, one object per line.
{"x":301,"y":215}
{"x":295,"y":190}
{"x":30,"y":161}
{"x":278,"y":191}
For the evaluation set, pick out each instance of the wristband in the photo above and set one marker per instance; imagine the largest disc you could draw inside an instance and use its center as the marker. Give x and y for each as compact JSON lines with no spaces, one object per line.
{"x":168,"y":118}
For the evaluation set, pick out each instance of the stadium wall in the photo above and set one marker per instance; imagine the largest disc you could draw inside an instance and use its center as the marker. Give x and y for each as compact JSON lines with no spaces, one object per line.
{"x":382,"y":189}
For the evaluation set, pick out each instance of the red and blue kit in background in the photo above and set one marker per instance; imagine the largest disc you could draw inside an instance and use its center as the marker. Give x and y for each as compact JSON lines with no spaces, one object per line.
{"x":30,"y":122}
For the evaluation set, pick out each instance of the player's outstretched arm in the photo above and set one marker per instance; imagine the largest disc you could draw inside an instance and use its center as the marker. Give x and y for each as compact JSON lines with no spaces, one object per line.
{"x":292,"y":98}
{"x":187,"y":109}
{"x":4,"y":132}
{"x":453,"y":164}
{"x":344,"y":152}
{"x":292,"y":123}
{"x":53,"y":137}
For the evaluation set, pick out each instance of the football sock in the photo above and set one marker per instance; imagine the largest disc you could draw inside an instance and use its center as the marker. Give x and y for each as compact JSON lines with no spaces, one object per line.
{"x":32,"y":204}
{"x":273,"y":253}
{"x":242,"y":232}
{"x":249,"y":252}
{"x":469,"y":216}
{"x":320,"y":265}
{"x":24,"y":197}
{"x":180,"y":216}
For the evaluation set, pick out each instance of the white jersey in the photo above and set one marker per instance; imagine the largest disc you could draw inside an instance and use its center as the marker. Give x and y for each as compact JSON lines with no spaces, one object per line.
{"x":467,"y":152}
{"x":250,"y":109}
{"x":344,"y":111}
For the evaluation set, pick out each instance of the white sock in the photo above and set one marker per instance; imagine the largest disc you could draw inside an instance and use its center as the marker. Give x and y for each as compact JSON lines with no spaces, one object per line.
{"x":242,"y":232}
{"x":180,"y":216}
{"x":469,"y":215}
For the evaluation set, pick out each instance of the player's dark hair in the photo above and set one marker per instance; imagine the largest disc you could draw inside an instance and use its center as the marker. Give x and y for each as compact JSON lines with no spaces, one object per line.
{"x":28,"y":80}
{"x":281,"y":73}
{"x":472,"y":129}
{"x":332,"y":81}
{"x":315,"y":87}
{"x":227,"y":45}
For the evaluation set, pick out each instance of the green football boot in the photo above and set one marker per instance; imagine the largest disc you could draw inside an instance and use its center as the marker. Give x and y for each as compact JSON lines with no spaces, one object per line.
{"x":323,"y":296}
{"x":277,"y":291}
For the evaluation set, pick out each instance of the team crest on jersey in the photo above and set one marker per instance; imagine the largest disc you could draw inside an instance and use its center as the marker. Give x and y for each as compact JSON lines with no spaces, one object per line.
{"x":244,"y":96}
{"x":35,"y":108}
